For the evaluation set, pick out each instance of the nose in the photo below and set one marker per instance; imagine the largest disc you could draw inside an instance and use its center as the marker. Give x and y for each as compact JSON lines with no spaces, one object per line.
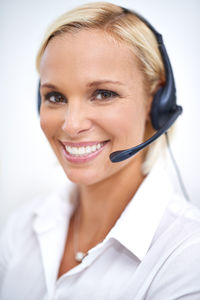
{"x":76,"y":119}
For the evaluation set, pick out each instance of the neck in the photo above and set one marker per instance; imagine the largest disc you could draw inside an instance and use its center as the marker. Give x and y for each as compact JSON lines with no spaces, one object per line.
{"x":101,"y":204}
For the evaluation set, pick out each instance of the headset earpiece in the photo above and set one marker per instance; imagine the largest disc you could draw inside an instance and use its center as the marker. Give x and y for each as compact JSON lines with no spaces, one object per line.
{"x":164,"y":102}
{"x":155,"y":120}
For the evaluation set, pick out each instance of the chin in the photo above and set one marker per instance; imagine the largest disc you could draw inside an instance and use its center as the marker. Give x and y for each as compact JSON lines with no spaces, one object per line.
{"x":82,"y":177}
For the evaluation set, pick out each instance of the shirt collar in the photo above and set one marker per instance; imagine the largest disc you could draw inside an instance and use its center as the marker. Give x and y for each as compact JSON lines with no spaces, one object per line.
{"x":55,"y":208}
{"x":137,"y":224}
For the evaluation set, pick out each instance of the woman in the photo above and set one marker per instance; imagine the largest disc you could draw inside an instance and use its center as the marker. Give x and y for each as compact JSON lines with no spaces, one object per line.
{"x":122,"y":232}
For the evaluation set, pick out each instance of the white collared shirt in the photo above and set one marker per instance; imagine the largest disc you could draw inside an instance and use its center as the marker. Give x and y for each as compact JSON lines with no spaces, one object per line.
{"x":151,"y":253}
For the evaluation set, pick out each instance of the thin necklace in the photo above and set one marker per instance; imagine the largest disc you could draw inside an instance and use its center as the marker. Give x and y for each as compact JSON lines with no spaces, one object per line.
{"x":78,"y":255}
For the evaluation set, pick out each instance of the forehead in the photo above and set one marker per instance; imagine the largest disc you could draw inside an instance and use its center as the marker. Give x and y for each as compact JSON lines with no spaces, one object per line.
{"x":90,"y":53}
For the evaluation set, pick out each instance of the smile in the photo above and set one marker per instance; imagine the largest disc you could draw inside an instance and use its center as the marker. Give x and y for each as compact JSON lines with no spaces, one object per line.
{"x":82,"y":152}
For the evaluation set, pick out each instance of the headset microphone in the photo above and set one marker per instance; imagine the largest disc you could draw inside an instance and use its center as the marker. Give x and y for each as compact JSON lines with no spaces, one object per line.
{"x":164,"y":110}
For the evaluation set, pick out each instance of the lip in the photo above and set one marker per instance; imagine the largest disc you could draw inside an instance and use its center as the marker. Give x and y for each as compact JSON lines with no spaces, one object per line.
{"x":85,"y":158}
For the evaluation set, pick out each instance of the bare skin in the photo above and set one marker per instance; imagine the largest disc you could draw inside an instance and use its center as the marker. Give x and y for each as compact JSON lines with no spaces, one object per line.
{"x":86,"y":114}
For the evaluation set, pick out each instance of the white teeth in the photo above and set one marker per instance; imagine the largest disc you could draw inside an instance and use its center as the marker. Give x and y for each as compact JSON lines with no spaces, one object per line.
{"x":83,"y":150}
{"x":88,"y":149}
{"x":94,"y":147}
{"x":74,"y":150}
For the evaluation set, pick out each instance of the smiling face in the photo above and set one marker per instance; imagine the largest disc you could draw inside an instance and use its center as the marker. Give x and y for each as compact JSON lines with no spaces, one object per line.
{"x":93,"y":103}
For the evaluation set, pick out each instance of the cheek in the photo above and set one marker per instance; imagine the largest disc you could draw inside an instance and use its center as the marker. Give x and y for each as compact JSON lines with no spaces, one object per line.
{"x":49,"y":123}
{"x":126,"y":123}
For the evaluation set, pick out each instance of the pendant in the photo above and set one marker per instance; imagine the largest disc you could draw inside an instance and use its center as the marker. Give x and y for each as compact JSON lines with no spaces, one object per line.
{"x":79,"y":256}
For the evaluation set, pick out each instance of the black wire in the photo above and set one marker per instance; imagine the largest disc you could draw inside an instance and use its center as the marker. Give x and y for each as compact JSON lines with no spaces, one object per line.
{"x":180,"y":180}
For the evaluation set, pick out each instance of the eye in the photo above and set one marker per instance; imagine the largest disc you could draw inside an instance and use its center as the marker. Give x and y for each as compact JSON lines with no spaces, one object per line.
{"x":104,"y":95}
{"x":55,"y":97}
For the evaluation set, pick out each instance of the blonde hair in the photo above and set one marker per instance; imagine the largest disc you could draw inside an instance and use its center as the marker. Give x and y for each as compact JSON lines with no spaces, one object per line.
{"x":125,"y":27}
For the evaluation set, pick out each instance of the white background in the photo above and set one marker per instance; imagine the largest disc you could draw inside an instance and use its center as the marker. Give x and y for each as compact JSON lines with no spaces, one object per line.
{"x":27,"y":165}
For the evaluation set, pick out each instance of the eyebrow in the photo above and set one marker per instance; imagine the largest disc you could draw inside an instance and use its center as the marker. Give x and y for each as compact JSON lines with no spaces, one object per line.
{"x":48,"y":85}
{"x":91,"y":84}
{"x":97,"y":82}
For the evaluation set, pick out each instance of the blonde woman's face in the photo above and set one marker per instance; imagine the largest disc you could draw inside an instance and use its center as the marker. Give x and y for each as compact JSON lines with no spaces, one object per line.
{"x":93,"y":103}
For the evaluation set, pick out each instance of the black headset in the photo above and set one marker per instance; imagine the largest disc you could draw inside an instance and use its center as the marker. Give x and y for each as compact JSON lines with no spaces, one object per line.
{"x":164,"y":110}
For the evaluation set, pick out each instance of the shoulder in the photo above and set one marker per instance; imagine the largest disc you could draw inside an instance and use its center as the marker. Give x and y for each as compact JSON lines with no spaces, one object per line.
{"x":181,"y":219}
{"x":184,"y":219}
{"x":178,"y":273}
{"x":19,"y":228}
{"x":21,"y":217}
